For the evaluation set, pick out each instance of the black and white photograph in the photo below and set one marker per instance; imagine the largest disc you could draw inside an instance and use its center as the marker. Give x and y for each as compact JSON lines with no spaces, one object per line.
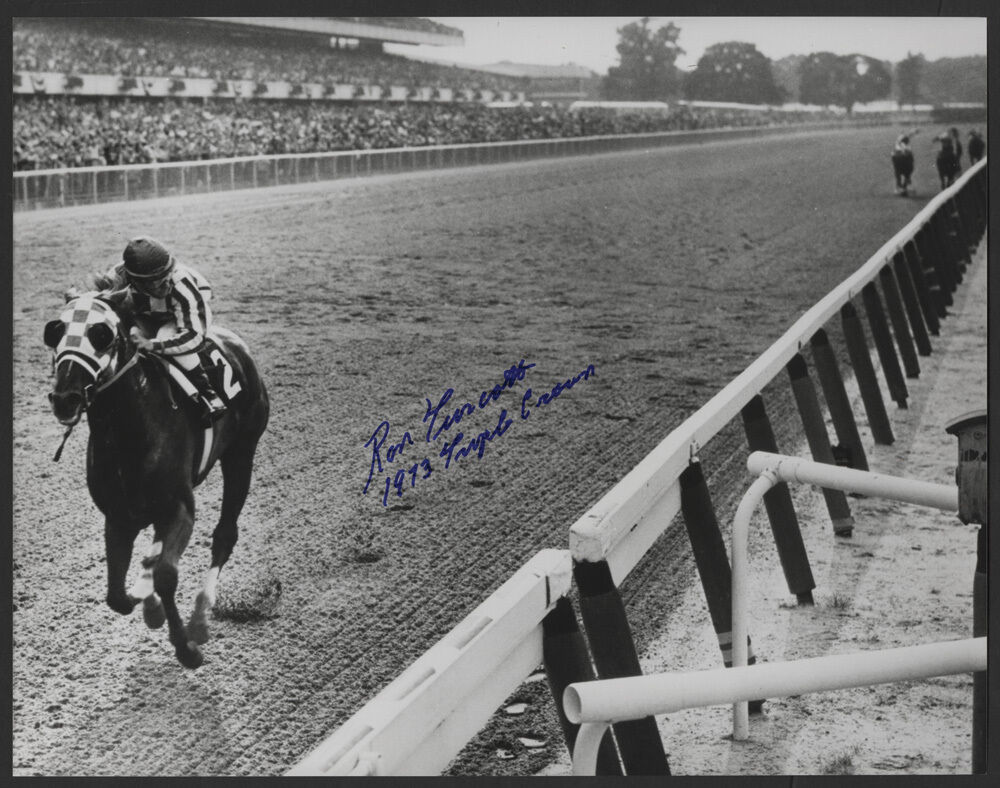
{"x":499,"y":395}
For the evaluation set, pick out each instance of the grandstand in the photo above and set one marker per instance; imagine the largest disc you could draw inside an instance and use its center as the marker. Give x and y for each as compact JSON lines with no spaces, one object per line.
{"x":99,"y":91}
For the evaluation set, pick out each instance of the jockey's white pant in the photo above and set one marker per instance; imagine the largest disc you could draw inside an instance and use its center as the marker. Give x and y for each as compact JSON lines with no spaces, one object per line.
{"x":168,"y":330}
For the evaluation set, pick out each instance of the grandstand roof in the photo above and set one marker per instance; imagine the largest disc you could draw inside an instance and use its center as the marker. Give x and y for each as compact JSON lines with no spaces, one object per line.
{"x":396,"y":30}
{"x":566,"y":71}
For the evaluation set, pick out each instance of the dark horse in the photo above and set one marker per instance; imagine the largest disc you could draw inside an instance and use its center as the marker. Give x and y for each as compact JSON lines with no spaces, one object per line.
{"x":149,"y":449}
{"x":902,"y":166}
{"x":947,"y":162}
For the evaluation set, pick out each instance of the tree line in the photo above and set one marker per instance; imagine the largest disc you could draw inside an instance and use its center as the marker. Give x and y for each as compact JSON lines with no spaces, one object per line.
{"x":736,"y":71}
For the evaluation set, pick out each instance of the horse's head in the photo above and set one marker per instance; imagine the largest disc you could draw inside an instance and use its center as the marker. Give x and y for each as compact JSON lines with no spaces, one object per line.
{"x":84,"y":338}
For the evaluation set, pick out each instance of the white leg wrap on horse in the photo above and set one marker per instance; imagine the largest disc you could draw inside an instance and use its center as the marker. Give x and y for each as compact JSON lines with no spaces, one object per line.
{"x":144,"y":585}
{"x":211,"y":579}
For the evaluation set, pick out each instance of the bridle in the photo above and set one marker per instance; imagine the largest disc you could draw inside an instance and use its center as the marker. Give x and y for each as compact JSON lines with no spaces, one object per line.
{"x":92,"y":390}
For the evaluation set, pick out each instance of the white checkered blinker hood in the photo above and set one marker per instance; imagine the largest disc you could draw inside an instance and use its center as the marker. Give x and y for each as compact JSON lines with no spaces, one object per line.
{"x":81,"y":328}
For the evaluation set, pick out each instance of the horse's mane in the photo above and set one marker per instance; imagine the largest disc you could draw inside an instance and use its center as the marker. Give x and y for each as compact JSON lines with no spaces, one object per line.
{"x":110,"y":286}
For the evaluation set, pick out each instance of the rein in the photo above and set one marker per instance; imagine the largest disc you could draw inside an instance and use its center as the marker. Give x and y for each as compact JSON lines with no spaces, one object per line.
{"x":90,"y":394}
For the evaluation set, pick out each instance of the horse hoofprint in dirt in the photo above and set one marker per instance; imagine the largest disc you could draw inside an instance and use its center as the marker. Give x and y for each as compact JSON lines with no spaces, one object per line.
{"x":147,"y":453}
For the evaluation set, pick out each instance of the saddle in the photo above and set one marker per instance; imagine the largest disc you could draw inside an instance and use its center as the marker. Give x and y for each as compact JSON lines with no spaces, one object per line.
{"x":221,"y":373}
{"x":227,"y":385}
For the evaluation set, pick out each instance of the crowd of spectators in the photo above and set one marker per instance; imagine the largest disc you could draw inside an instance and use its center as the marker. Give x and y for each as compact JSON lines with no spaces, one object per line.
{"x":132,"y":48}
{"x":53,"y":131}
{"x":67,"y":131}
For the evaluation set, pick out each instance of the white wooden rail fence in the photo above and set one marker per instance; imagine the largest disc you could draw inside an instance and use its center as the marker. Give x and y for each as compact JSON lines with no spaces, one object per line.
{"x":69,"y":186}
{"x":623,"y":525}
{"x":422,"y":720}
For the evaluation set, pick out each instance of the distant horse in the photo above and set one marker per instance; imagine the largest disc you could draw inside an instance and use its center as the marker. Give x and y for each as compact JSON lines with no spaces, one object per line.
{"x":948,"y":164}
{"x":902,"y":165}
{"x":977,"y":147}
{"x":149,"y":449}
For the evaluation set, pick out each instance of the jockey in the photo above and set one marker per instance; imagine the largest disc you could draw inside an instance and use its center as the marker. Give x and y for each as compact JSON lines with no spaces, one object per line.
{"x":170,"y":304}
{"x":902,"y":163}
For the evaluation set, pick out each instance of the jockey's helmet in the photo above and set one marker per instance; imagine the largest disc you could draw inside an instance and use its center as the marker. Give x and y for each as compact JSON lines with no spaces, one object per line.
{"x":147,"y":260}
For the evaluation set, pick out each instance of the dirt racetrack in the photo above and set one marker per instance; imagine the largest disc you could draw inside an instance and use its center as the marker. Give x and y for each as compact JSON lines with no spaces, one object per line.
{"x":668,"y":270}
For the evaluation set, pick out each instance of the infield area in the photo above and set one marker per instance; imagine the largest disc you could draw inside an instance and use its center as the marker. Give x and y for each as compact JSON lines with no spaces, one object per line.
{"x":668,"y":271}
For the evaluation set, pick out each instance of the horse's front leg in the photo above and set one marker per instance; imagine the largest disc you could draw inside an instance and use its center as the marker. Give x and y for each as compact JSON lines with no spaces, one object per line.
{"x":118,"y":541}
{"x":173,"y":532}
{"x":237,"y":468}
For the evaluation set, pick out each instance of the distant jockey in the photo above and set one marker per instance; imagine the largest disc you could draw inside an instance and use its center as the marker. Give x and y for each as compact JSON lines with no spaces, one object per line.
{"x":902,"y":163}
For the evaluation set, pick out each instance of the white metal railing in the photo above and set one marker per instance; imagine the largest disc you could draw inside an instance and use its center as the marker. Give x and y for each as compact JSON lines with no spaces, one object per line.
{"x":595,"y":705}
{"x":622,"y":526}
{"x":771,"y":469}
{"x":69,"y":186}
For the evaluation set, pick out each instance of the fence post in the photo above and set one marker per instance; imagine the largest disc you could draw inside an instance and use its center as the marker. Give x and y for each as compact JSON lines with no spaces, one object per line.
{"x":780,"y":510}
{"x":937,"y":256}
{"x":710,"y":557}
{"x":956,"y":232}
{"x":864,"y":373}
{"x":953,"y":251}
{"x":894,"y":305}
{"x":614,"y":653}
{"x":819,"y":441}
{"x":567,"y":661}
{"x":932,"y":271}
{"x":930,"y":300}
{"x":883,"y":344}
{"x":912,"y":304}
{"x":837,"y":401}
{"x":971,"y":429}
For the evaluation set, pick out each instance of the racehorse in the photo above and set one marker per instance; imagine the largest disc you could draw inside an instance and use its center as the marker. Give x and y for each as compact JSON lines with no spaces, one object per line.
{"x":948,"y":164}
{"x":148,"y":449}
{"x":902,"y":165}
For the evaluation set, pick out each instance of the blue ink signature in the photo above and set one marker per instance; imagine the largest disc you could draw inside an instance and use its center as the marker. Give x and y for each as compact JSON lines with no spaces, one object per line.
{"x":510,"y":377}
{"x":453,"y":450}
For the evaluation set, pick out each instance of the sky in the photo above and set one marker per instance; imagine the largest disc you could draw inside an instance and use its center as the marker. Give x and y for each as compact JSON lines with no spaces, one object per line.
{"x":590,"y":41}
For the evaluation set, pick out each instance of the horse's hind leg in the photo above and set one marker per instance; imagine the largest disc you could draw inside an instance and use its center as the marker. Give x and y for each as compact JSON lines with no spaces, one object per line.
{"x":175,"y":532}
{"x":152,"y":607}
{"x":237,"y":468}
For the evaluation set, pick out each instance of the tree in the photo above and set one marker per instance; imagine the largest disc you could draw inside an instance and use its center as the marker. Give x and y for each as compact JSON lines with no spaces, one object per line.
{"x":645,"y":70}
{"x":786,"y":74}
{"x":842,"y":80}
{"x":908,"y":73}
{"x":823,"y":79}
{"x":733,"y":71}
{"x":871,"y":80}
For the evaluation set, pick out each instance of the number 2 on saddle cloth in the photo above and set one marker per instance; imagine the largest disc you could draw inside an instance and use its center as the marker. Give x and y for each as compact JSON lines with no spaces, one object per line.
{"x":224,"y":380}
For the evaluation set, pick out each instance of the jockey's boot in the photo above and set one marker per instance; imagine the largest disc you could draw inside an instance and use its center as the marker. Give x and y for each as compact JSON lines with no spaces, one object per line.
{"x":214,"y":407}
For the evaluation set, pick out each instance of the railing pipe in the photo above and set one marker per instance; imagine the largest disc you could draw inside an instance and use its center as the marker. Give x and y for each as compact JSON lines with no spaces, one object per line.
{"x":666,"y":693}
{"x":869,"y":483}
{"x":740,"y":540}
